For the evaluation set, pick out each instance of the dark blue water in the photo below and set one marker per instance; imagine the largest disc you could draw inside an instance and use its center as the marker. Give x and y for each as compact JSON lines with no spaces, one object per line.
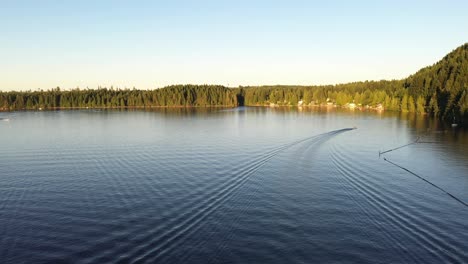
{"x":249,"y":185}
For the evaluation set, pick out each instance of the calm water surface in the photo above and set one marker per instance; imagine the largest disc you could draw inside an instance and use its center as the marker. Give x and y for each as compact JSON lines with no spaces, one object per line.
{"x":246,"y":185}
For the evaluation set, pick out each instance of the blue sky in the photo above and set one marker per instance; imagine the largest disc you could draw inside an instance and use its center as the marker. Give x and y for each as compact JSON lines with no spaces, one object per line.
{"x":150,"y":44}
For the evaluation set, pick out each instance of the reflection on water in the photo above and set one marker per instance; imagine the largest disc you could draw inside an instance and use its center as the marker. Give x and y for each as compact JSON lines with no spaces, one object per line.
{"x":253,"y":184}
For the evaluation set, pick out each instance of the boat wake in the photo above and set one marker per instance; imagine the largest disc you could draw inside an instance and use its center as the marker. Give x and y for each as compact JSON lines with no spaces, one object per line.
{"x":157,"y":244}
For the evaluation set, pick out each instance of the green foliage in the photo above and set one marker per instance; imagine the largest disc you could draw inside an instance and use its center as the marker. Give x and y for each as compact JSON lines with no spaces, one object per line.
{"x":443,"y":85}
{"x":411,"y":106}
{"x":440,"y":90}
{"x":177,"y":96}
{"x":404,"y":104}
{"x":420,"y":105}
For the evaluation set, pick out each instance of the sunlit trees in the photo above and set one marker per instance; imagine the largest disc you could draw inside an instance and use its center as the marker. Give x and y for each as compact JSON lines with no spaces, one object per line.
{"x":420,"y":105}
{"x":440,"y":90}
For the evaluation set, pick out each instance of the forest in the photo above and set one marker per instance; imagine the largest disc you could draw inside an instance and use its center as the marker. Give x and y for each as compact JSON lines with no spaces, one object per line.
{"x":171,"y":96}
{"x":440,"y":90}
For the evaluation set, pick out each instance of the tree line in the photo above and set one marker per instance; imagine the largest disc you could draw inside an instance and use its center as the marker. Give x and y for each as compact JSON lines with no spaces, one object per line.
{"x":440,"y":90}
{"x":171,"y":96}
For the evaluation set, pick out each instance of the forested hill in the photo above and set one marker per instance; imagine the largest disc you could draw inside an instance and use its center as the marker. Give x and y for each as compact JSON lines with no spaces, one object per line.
{"x":440,"y":90}
{"x":444,"y":84}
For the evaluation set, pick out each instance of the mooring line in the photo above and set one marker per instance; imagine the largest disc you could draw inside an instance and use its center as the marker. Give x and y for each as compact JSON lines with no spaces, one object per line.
{"x":449,"y":194}
{"x":390,"y":150}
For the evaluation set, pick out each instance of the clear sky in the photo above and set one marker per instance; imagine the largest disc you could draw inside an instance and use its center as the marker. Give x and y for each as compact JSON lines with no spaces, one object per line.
{"x":150,"y":44}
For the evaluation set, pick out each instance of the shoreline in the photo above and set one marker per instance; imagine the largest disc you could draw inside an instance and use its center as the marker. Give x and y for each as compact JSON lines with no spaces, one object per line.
{"x":460,"y":124}
{"x":328,"y":107}
{"x":110,"y":107}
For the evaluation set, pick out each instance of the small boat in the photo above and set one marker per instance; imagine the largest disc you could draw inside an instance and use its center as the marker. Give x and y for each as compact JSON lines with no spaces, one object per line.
{"x":4,"y":119}
{"x":454,"y":124}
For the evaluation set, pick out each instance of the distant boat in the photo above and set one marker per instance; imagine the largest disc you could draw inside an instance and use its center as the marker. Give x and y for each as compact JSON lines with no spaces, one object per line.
{"x":4,"y":119}
{"x":454,"y":124}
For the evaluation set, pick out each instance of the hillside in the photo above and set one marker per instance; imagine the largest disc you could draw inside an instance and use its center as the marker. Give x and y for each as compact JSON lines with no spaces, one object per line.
{"x":440,"y":90}
{"x":444,"y":84}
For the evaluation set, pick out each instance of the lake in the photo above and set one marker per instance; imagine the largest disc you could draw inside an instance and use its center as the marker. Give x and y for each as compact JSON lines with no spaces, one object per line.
{"x":243,"y":185}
